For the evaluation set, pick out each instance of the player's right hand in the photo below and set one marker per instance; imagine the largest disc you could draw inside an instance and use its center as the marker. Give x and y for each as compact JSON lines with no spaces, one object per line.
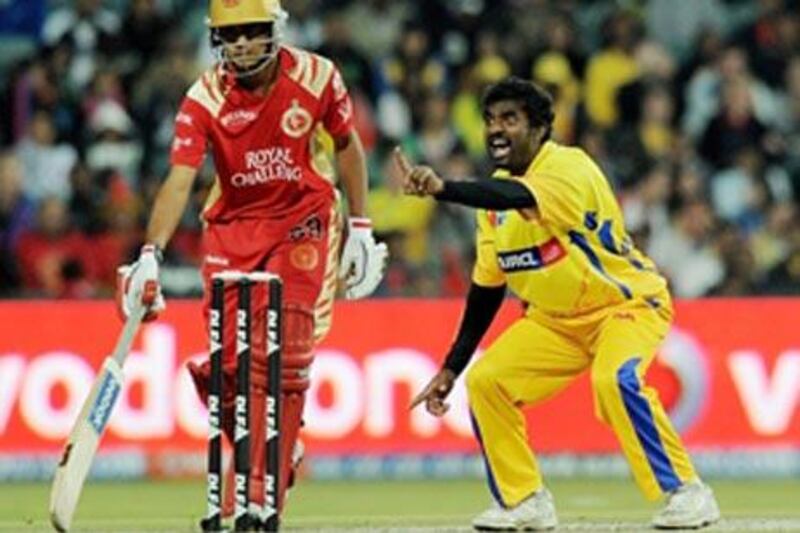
{"x":435,"y":393}
{"x":138,"y":284}
{"x":418,"y":180}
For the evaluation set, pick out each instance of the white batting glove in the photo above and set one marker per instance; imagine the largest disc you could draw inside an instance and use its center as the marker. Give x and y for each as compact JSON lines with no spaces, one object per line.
{"x":137,"y":284}
{"x":363,"y":260}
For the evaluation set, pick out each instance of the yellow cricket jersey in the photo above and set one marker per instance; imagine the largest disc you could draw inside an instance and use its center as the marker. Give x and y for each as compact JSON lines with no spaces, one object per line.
{"x":571,"y":254}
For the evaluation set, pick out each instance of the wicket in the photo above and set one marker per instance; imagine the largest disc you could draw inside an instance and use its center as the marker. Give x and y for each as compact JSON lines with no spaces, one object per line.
{"x":248,"y":515}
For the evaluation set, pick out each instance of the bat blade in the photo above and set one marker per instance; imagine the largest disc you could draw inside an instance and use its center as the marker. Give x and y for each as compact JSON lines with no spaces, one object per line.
{"x":84,"y":439}
{"x":82,"y":444}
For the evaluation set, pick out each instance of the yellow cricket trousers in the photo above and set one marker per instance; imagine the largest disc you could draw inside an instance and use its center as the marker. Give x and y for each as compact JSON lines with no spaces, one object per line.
{"x":538,"y":356}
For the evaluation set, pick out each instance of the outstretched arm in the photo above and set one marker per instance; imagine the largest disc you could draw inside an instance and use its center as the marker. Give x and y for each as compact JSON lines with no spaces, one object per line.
{"x":482,"y":306}
{"x":495,"y":194}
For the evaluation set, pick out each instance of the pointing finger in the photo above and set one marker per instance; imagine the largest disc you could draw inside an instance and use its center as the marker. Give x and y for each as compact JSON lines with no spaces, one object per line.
{"x":401,"y":160}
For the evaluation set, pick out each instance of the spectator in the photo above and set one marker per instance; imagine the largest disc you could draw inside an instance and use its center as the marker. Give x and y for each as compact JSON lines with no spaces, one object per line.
{"x":790,"y":123}
{"x":113,"y":145}
{"x":705,"y":92}
{"x":46,"y":163}
{"x":86,"y":27}
{"x":386,"y":19}
{"x":684,"y":251}
{"x":770,"y":243}
{"x":677,"y":23}
{"x":738,"y":264}
{"x":740,"y":193}
{"x":611,"y":68}
{"x":412,"y":71}
{"x":89,"y":117}
{"x":143,"y":35}
{"x":436,"y":139}
{"x":734,"y":128}
{"x":16,"y":214}
{"x":553,"y":71}
{"x":337,"y":44}
{"x":772,"y":39}
{"x":405,"y":222}
{"x":54,"y":258}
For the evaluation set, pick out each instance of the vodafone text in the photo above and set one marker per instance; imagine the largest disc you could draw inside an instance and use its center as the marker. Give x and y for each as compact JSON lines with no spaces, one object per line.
{"x":41,"y":393}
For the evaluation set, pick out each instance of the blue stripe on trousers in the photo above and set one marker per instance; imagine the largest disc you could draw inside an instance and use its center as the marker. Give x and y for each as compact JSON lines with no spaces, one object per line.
{"x":642,"y":418}
{"x":492,"y":483}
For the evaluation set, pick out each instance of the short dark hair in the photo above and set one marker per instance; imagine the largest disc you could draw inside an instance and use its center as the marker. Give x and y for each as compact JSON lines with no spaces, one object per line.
{"x":536,"y":101}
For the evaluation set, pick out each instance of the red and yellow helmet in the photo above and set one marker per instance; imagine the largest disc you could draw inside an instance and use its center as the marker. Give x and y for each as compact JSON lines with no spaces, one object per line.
{"x":236,"y":12}
{"x":226,"y":16}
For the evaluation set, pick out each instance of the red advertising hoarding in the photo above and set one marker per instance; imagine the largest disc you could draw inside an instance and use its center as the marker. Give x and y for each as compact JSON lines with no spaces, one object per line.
{"x":729,"y":374}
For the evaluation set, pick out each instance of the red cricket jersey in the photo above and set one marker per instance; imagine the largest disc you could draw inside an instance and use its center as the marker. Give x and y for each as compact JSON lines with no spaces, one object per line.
{"x":267,"y":150}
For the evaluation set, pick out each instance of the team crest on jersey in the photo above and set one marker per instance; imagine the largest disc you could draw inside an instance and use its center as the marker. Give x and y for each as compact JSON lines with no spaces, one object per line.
{"x":238,"y":118}
{"x":304,"y":257}
{"x":296,"y":121}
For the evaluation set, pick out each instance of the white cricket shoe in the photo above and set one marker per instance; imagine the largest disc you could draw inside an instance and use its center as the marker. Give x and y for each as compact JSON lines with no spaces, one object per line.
{"x":690,"y":506}
{"x":535,"y":513}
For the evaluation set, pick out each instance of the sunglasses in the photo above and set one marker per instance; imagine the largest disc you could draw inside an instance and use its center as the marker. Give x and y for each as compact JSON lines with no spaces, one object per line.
{"x":231,"y":34}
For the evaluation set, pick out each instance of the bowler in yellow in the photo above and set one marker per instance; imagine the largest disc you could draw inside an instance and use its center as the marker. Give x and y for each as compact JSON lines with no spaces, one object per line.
{"x":550,"y":231}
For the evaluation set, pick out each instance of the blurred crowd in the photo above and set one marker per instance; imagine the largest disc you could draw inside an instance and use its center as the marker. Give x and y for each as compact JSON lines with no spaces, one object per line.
{"x":692,"y":107}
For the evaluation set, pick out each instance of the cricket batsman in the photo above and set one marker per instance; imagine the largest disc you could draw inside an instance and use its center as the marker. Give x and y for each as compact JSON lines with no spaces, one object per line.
{"x":264,"y":111}
{"x":550,"y":229}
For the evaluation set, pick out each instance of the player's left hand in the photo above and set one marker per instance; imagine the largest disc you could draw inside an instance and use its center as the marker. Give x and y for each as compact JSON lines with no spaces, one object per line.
{"x":435,"y":393}
{"x":419,"y":180}
{"x":363,"y":260}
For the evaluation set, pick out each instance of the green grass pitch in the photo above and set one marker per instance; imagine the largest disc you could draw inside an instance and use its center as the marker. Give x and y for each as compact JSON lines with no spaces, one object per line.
{"x":583,"y":505}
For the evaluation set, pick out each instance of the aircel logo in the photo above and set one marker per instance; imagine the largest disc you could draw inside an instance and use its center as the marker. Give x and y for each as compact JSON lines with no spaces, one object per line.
{"x":104,"y":403}
{"x":531,"y":258}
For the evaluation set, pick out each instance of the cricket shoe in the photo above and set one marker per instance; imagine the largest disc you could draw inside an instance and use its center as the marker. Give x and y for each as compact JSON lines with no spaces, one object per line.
{"x":690,"y":506}
{"x":535,"y":513}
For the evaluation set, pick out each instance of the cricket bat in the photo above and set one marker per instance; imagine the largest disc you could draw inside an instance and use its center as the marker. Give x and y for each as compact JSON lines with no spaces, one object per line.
{"x":88,"y":429}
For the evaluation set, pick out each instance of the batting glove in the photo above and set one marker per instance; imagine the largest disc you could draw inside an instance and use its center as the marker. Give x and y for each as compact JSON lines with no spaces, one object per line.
{"x":137,"y":284}
{"x":363,"y":260}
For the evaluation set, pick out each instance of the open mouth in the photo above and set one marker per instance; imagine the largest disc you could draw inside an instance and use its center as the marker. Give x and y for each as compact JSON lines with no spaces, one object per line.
{"x":499,"y":148}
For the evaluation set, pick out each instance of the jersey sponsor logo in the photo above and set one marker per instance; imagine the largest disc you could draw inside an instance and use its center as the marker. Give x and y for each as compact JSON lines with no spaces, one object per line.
{"x":345,"y":110}
{"x":181,"y":142}
{"x":310,"y":228}
{"x":216,"y":260}
{"x":184,"y":118}
{"x":267,"y":164}
{"x":238,"y":118}
{"x":532,"y":258}
{"x":296,"y":121}
{"x":339,"y":89}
